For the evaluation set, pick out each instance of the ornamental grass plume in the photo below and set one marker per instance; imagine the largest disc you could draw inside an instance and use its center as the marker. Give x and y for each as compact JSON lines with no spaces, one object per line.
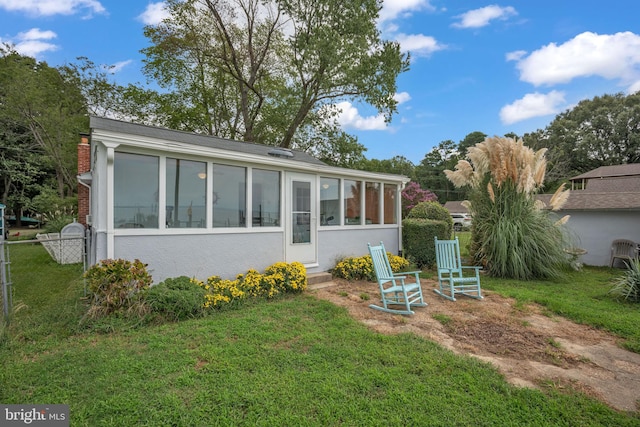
{"x":512,"y":235}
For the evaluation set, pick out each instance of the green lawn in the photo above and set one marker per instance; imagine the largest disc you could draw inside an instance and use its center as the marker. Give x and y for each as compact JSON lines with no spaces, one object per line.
{"x":295,"y":361}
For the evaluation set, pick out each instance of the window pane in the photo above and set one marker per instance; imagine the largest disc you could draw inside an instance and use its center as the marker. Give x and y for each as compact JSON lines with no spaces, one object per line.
{"x":135,"y":191}
{"x":229,"y":196}
{"x":265,"y":198}
{"x":372,"y":203}
{"x":301,"y":212}
{"x":186,"y":194}
{"x":390,"y":207}
{"x":352,"y":194}
{"x":329,"y":201}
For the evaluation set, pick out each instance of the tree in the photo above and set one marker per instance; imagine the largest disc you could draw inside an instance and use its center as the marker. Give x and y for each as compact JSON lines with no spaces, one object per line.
{"x":430,"y":171}
{"x":469,"y":141}
{"x":398,"y":165}
{"x":598,"y":132}
{"x":263,"y":70}
{"x":47,"y":102}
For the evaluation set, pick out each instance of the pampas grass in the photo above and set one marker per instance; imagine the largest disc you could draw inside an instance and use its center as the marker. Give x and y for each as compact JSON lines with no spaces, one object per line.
{"x":513,"y":235}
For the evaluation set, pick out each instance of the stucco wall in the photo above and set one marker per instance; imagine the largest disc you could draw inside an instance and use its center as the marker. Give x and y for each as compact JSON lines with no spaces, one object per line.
{"x":595,"y":230}
{"x":227,"y":255}
{"x":336,"y":244}
{"x":201,"y":256}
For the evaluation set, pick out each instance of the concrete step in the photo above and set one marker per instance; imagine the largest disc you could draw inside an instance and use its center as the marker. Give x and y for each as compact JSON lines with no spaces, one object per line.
{"x":317,"y":278}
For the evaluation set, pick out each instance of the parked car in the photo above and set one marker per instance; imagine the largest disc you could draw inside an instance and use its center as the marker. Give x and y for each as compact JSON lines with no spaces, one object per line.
{"x":461,"y":221}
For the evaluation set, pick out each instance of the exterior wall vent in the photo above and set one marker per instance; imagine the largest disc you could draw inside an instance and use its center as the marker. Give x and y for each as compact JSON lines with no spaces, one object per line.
{"x":281,"y":152}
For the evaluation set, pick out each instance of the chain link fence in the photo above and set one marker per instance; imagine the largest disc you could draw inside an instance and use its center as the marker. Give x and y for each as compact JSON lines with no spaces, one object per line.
{"x":64,"y":248}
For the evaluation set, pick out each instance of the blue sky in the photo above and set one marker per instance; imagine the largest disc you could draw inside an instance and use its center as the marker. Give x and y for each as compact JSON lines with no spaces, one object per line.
{"x":494,"y":67}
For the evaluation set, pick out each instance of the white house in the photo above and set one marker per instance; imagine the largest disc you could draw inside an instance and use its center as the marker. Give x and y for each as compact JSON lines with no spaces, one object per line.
{"x":195,"y":205}
{"x":604,"y":205}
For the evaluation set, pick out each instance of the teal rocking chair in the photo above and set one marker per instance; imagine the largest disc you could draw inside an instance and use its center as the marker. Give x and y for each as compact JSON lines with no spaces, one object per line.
{"x":393,"y":288}
{"x":451,"y":277}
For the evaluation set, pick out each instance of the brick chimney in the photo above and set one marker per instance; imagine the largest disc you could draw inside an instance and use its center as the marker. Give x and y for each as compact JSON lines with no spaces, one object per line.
{"x":84,"y":166}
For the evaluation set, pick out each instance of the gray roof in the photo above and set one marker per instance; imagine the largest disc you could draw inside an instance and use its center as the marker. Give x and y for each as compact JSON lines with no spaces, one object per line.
{"x":195,"y":139}
{"x":611,"y":171}
{"x":455,"y":206}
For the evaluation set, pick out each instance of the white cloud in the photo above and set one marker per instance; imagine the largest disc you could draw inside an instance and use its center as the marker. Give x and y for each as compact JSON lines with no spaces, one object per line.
{"x":349,"y":117}
{"x":52,"y":7}
{"x":515,"y":55}
{"x":402,"y":97}
{"x":615,"y":57}
{"x":481,"y":17}
{"x":419,"y":44}
{"x":117,"y":67}
{"x":154,"y":13}
{"x":532,"y":105}
{"x":392,"y":9}
{"x":31,"y":43}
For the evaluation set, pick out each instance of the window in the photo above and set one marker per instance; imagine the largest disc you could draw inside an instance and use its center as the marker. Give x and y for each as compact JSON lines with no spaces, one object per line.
{"x":186,"y":194}
{"x":329,"y":201}
{"x":372,"y":203}
{"x":265,"y":198}
{"x":136,"y":189}
{"x":352,"y":195}
{"x":229,"y":196}
{"x":390,"y":206}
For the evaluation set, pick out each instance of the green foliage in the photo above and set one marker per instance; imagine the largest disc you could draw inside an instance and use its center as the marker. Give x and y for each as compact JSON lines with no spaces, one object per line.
{"x":627,"y":286}
{"x":176,"y":299}
{"x":361,"y":268}
{"x":417,"y":239}
{"x":430,"y":210}
{"x":115,"y":286}
{"x":340,"y":55}
{"x":277,"y":279}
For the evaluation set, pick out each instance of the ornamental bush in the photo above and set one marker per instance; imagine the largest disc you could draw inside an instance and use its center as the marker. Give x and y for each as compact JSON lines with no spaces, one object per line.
{"x":115,"y":286}
{"x":277,"y":279}
{"x":361,"y":268}
{"x":176,"y":299}
{"x":512,"y":235}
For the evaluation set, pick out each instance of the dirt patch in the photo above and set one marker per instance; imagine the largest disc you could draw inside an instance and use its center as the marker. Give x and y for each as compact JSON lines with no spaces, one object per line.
{"x":530,"y":347}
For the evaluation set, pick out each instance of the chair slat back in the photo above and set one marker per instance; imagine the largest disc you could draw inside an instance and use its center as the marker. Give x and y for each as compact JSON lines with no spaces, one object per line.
{"x":448,"y":254}
{"x":381,"y":264}
{"x":623,"y":247}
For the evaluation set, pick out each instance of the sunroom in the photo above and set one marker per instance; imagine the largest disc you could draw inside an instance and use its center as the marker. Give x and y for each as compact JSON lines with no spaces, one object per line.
{"x":195,"y":205}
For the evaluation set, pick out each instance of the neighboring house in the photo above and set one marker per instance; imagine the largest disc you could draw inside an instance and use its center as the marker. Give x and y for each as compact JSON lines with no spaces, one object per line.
{"x":196,"y":205}
{"x":604,"y":205}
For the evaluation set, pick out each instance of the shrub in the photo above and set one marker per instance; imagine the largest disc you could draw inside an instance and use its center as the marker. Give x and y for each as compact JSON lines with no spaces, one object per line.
{"x":278,"y":278}
{"x":417,"y":239}
{"x":430,"y":210}
{"x":361,"y":268}
{"x":176,"y":298}
{"x":628,"y":285}
{"x":115,"y":286}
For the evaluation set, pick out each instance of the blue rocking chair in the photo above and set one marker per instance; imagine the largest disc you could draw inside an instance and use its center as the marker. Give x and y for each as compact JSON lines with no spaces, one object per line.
{"x":393,"y":289}
{"x":451,"y":280}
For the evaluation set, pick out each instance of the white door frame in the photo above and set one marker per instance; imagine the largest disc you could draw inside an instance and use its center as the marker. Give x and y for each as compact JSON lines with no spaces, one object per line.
{"x":301,"y":220}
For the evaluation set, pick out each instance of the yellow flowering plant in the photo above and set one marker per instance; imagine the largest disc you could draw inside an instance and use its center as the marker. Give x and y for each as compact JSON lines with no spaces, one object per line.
{"x":361,"y":268}
{"x":278,"y":278}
